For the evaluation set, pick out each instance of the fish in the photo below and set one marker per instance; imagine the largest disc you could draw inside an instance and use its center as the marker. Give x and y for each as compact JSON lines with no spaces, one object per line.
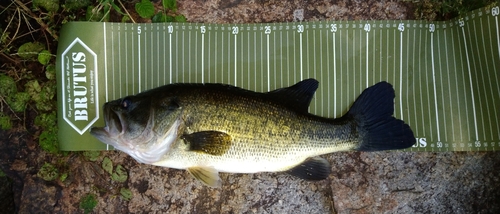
{"x":207,"y":128}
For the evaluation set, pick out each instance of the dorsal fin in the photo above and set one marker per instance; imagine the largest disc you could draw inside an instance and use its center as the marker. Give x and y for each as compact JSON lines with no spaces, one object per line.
{"x":297,"y":97}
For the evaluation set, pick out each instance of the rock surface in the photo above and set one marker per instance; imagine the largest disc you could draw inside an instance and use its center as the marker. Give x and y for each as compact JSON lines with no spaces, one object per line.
{"x":377,"y":182}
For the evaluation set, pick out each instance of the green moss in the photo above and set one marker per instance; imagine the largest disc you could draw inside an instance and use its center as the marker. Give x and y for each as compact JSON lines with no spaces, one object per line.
{"x":126,"y":194}
{"x":49,"y":5}
{"x":44,"y":57}
{"x":48,"y":138}
{"x":43,"y":96}
{"x":46,"y":120}
{"x":48,"y":141}
{"x":19,"y":101}
{"x":88,"y":203}
{"x":50,"y":72}
{"x":63,"y":177}
{"x":120,"y":174}
{"x":48,"y":172}
{"x":447,"y":9}
{"x":30,"y":50}
{"x":107,"y":165}
{"x":7,"y":86}
{"x":76,"y":4}
{"x":5,"y":123}
{"x":91,"y":155}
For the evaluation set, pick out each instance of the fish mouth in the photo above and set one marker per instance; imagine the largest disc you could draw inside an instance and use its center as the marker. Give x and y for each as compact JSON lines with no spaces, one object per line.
{"x":114,"y":126}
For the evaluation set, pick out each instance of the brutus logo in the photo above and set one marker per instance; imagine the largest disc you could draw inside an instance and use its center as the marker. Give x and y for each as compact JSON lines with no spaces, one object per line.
{"x":79,"y":86}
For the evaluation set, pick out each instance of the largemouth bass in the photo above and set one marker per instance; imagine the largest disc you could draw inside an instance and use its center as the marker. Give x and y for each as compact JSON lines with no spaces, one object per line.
{"x":212,"y":128}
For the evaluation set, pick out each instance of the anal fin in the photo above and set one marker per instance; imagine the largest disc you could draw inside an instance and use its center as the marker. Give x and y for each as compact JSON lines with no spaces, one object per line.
{"x":207,"y":175}
{"x":312,"y":169}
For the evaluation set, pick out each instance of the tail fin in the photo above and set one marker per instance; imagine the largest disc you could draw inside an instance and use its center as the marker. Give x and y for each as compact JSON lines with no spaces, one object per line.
{"x":377,"y":128}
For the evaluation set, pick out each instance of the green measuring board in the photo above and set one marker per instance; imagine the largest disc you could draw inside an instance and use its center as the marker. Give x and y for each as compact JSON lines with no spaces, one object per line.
{"x":445,"y":74}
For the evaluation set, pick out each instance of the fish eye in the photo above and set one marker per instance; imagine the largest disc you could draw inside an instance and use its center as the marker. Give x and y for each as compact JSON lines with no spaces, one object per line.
{"x":126,"y":103}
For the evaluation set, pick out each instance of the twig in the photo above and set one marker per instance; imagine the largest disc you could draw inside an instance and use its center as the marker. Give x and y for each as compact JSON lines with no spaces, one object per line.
{"x":126,"y":11}
{"x":17,"y":30}
{"x":39,"y":20}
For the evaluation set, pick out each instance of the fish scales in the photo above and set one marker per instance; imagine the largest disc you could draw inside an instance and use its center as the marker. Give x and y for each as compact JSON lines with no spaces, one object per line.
{"x":211,"y":128}
{"x":263,"y":141}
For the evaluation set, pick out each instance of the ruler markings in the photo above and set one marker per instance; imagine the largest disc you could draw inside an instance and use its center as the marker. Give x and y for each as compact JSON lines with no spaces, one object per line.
{"x":139,"y":59}
{"x":420,"y":85}
{"x":295,"y":60}
{"x":119,"y":63}
{"x":209,"y":60}
{"x":387,"y":54}
{"x":281,"y":58}
{"x":449,"y":85}
{"x":462,"y":68}
{"x":400,"y":74}
{"x":275,"y":53}
{"x":314,"y":65}
{"x":189,"y":56}
{"x":196,"y":70}
{"x":216,"y":53}
{"x":334,"y":75}
{"x":247,"y":63}
{"x":328,"y":76}
{"x":323,"y":94}
{"x":133,"y":61}
{"x":183,"y":55}
{"x":347,"y":69}
{"x":255,"y":60}
{"x":354,"y":71}
{"x":222,"y":60}
{"x":474,"y":51}
{"x":261,"y":73}
{"x":442,"y":83}
{"x":434,"y":87}
{"x":489,"y":82}
{"x":145,"y":64}
{"x":106,"y":64}
{"x":495,"y":70}
{"x":268,"y":64}
{"x":126,"y":61}
{"x":485,"y":116}
{"x":170,"y":55}
{"x":380,"y":60}
{"x":300,"y":51}
{"x":228,"y":58}
{"x":177,"y":56}
{"x":113,"y":64}
{"x":158,"y":59}
{"x":470,"y":83}
{"x":151,"y":62}
{"x":441,"y":86}
{"x":106,"y":86}
{"x":498,"y":33}
{"x":341,"y":54}
{"x":428,"y":90}
{"x":367,"y":65}
{"x":394,"y":68}
{"x":409,"y":59}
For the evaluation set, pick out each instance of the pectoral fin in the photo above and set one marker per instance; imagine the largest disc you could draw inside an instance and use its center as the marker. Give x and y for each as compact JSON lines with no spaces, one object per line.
{"x":210,"y":142}
{"x":313,"y":169}
{"x":207,"y":175}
